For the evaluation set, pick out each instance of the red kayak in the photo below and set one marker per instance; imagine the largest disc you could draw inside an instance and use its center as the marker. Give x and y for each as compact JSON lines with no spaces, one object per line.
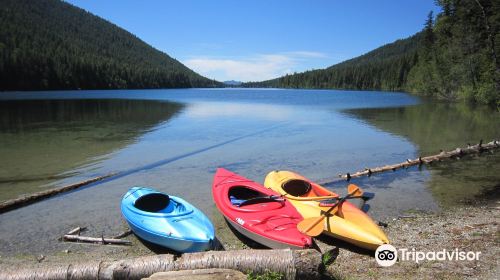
{"x":257,"y":212}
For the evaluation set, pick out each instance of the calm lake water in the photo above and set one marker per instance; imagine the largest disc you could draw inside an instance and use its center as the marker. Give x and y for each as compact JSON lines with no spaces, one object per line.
{"x":173,"y":140}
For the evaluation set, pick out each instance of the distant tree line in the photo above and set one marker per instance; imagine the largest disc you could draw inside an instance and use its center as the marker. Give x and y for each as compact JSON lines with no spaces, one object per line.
{"x":384,"y":68}
{"x":455,"y":56}
{"x":49,"y":44}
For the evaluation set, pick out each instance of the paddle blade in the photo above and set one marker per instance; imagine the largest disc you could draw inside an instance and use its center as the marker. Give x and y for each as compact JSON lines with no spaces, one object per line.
{"x":354,"y":190}
{"x":367,"y":196}
{"x":312,"y":226}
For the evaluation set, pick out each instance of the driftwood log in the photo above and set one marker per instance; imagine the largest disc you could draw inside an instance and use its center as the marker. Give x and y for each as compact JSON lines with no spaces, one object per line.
{"x":123,"y":234}
{"x":199,"y":274}
{"x":74,"y":236}
{"x":456,"y":153}
{"x":15,"y":203}
{"x":100,"y":240}
{"x":76,"y":231}
{"x":292,"y":264}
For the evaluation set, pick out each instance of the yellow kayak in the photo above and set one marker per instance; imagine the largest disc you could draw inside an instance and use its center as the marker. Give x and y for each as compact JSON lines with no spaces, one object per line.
{"x":349,"y":223}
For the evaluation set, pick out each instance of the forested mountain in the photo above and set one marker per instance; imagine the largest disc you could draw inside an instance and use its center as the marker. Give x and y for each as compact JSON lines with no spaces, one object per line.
{"x":50,"y":44}
{"x":384,"y":68}
{"x":455,"y":56}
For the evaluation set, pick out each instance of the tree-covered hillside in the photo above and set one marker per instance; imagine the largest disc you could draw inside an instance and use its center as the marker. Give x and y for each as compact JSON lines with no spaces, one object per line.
{"x":50,"y":44}
{"x":459,"y":55}
{"x":384,"y":68}
{"x":455,"y":56}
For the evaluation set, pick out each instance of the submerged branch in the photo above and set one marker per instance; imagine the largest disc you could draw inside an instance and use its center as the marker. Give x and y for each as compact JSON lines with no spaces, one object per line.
{"x":12,"y":204}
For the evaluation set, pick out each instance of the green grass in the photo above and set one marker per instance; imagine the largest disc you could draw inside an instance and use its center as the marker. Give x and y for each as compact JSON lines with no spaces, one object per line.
{"x":327,"y":258}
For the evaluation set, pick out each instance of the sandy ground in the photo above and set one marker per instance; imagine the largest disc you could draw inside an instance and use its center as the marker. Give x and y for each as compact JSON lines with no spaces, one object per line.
{"x":465,"y":228}
{"x":473,"y":228}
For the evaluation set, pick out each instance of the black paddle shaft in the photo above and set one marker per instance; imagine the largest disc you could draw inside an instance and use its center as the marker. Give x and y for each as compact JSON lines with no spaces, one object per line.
{"x":339,"y":202}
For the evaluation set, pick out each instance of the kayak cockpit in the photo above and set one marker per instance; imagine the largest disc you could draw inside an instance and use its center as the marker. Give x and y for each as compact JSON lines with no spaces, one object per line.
{"x":303,"y":188}
{"x":153,"y":202}
{"x":247,"y":199}
{"x":240,"y":194}
{"x":297,"y":187}
{"x":159,"y":203}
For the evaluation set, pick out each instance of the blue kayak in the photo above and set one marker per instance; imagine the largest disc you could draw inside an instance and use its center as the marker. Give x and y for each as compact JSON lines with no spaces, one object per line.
{"x":167,"y":221}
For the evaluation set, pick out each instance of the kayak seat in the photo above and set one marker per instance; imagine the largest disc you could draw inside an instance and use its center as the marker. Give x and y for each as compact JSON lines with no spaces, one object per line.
{"x":235,"y":201}
{"x":297,"y":187}
{"x":240,"y":194}
{"x":153,"y":202}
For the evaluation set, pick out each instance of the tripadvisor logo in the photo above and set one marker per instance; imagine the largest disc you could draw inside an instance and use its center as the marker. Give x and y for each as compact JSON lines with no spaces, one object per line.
{"x":387,"y":255}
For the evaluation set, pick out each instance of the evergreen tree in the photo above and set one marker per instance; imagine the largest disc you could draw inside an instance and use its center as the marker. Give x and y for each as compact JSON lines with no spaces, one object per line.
{"x":455,"y":56}
{"x":50,"y":44}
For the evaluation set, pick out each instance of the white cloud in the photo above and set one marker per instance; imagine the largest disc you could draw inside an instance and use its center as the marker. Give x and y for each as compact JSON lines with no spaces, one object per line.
{"x":306,"y":54}
{"x":254,"y":68}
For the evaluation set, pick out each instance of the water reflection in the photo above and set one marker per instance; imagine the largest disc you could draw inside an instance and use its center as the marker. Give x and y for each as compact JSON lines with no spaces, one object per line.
{"x":40,"y":140}
{"x":434,"y":126}
{"x":273,"y":112}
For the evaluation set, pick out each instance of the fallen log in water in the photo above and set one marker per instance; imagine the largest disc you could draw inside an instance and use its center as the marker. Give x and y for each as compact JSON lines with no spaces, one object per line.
{"x":292,"y":264}
{"x":456,"y":153}
{"x":32,"y":198}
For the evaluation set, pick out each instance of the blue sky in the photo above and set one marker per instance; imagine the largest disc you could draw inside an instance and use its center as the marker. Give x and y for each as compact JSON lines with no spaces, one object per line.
{"x":263,"y":39}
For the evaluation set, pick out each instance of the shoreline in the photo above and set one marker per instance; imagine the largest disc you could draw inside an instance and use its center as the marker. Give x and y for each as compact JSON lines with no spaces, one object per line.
{"x":466,"y":228}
